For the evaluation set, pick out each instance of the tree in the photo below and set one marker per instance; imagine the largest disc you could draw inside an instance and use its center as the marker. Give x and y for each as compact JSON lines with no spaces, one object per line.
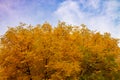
{"x":63,"y":52}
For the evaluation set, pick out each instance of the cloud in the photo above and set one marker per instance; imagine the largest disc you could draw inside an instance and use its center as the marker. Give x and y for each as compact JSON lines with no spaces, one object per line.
{"x":12,"y":12}
{"x":17,"y":12}
{"x":98,"y":15}
{"x":69,"y":11}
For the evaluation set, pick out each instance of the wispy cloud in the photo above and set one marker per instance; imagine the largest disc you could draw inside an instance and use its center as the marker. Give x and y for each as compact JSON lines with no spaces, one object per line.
{"x":99,"y":15}
{"x":12,"y":12}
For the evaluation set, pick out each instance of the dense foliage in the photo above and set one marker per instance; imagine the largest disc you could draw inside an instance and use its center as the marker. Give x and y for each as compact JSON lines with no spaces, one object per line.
{"x":64,"y":52}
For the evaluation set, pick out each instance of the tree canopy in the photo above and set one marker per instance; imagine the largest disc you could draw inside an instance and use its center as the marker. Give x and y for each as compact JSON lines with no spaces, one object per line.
{"x":64,"y":52}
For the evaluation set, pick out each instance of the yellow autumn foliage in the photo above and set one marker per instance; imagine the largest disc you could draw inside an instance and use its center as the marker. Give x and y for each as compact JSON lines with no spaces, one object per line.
{"x":64,"y":52}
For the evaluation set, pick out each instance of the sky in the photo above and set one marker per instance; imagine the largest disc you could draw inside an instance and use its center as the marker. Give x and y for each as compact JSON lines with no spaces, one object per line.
{"x":99,"y":15}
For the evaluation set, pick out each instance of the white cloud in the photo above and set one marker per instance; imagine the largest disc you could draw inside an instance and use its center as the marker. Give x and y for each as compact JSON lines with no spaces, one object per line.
{"x":100,"y":15}
{"x":96,"y":15}
{"x":68,"y":11}
{"x":90,"y":3}
{"x":12,"y":12}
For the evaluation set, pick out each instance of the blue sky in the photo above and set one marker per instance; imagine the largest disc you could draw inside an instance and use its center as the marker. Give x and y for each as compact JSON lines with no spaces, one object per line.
{"x":100,"y":15}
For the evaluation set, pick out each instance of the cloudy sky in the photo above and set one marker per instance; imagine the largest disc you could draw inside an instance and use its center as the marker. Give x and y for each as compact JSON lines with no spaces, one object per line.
{"x":100,"y":15}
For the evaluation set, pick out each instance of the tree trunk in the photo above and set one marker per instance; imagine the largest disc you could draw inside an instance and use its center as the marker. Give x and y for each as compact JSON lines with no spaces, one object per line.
{"x":28,"y":72}
{"x":46,"y":74}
